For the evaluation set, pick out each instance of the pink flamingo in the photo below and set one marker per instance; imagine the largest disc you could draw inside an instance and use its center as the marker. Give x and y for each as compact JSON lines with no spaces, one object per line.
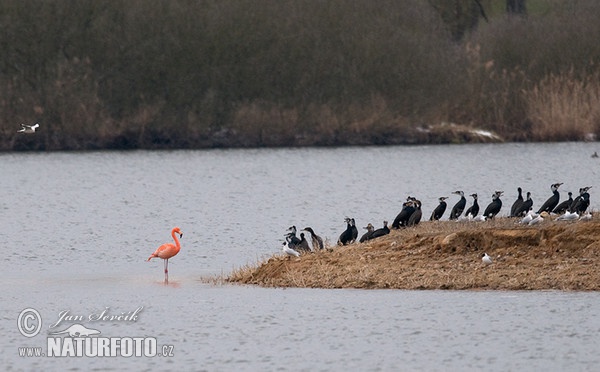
{"x":168,"y":250}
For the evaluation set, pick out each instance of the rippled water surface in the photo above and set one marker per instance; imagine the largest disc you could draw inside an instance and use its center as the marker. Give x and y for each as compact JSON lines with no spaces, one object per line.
{"x":77,"y":228}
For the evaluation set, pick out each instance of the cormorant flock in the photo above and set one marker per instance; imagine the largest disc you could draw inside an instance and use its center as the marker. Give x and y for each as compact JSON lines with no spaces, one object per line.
{"x":410,"y":215}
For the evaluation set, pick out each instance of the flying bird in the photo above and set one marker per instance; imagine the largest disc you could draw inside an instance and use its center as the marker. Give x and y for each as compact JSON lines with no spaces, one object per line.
{"x":28,"y":129}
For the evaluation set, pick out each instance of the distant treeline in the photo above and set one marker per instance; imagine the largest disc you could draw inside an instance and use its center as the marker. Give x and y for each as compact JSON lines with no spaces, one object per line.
{"x":236,"y":73}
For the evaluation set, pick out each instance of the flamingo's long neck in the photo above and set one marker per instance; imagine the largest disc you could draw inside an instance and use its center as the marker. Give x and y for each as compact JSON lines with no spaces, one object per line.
{"x":174,"y":235}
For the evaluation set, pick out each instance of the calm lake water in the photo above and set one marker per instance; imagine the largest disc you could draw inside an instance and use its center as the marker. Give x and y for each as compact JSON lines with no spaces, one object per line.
{"x":78,"y":227}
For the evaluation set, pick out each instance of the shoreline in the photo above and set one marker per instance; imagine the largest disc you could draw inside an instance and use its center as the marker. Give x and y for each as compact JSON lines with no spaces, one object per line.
{"x":554,"y":255}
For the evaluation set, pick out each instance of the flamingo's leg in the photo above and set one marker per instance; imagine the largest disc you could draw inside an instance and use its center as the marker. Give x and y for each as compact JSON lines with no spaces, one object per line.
{"x":167,"y":270}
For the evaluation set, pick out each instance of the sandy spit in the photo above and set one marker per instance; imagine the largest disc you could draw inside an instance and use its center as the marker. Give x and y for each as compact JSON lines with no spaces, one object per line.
{"x":553,"y":255}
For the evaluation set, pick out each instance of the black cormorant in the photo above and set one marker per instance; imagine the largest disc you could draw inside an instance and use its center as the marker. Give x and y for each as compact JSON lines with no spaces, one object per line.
{"x":354,"y":230}
{"x":525,"y":206}
{"x":291,"y":237}
{"x":381,"y":232}
{"x":348,"y":237}
{"x":582,"y":202}
{"x":517,"y":203}
{"x":317,"y":241}
{"x":438,"y":212}
{"x":408,"y":208}
{"x":562,"y":207}
{"x":459,"y":207}
{"x":303,"y":244}
{"x":366,"y":236}
{"x":474,"y":209}
{"x":552,"y":201}
{"x":415,"y":218}
{"x":494,"y":207}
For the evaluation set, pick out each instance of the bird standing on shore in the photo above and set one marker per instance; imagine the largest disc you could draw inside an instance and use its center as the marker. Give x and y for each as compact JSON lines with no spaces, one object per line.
{"x":582,"y":201}
{"x":564,"y":206}
{"x":415,"y":217}
{"x":291,"y":237}
{"x":438,"y":212}
{"x":538,"y":219}
{"x":517,"y":203}
{"x":381,"y":232}
{"x":487,"y":260}
{"x":28,"y":129}
{"x":459,"y":207}
{"x":552,"y":201}
{"x":303,"y":244}
{"x":494,"y":207}
{"x":408,"y":208}
{"x":528,"y":217}
{"x":525,"y":207}
{"x":289,"y":251}
{"x":473,"y":209}
{"x":568,"y":216}
{"x":348,"y":237}
{"x":366,"y":236}
{"x":317,"y":241}
{"x":354,"y":230}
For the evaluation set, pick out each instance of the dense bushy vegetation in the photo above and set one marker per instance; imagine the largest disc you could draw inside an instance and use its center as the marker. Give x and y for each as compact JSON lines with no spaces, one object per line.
{"x":162,"y":73}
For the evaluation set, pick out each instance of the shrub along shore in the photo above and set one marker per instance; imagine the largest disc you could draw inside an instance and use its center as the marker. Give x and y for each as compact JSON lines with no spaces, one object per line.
{"x":554,"y":255}
{"x":250,"y":73}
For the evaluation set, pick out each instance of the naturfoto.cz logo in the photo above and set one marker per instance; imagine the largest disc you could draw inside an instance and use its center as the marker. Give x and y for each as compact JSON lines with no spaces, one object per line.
{"x":78,"y":340}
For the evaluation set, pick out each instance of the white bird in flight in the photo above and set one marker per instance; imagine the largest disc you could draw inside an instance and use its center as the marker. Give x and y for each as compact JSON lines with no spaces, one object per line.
{"x":487,"y":260}
{"x":28,"y":128}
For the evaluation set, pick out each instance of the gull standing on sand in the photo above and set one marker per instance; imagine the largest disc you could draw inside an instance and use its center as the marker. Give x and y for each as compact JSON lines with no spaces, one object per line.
{"x":538,"y":219}
{"x":28,"y":128}
{"x":568,"y":216}
{"x":289,"y":251}
{"x":487,"y":260}
{"x":528,"y":217}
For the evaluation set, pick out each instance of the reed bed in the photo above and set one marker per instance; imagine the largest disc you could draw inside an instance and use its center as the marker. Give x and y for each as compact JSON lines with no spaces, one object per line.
{"x":181,"y":74}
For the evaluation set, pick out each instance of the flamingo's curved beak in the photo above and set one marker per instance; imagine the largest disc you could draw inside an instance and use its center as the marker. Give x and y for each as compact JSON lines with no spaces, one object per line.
{"x":180,"y":235}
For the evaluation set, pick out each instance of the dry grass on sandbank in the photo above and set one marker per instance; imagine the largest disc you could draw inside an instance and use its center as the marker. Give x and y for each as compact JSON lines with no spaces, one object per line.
{"x":554,"y":255}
